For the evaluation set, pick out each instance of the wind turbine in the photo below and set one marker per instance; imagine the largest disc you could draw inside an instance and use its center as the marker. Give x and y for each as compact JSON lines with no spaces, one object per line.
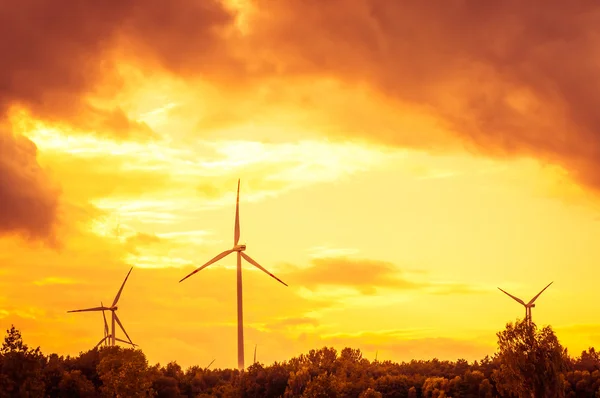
{"x":113,"y":308}
{"x":528,"y":306}
{"x":240,"y":253}
{"x":255,"y":345}
{"x":107,"y":335}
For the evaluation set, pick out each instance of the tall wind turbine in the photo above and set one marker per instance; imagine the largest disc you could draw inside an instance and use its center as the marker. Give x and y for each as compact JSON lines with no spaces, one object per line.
{"x":240,"y":253}
{"x":528,"y":306}
{"x":113,"y":308}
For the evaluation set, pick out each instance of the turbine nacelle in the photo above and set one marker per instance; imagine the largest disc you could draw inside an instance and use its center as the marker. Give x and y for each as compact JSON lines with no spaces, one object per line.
{"x":239,"y":248}
{"x":528,"y":306}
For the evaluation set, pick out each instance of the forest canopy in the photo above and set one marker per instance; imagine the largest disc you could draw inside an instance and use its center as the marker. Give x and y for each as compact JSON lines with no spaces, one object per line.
{"x":529,"y":362}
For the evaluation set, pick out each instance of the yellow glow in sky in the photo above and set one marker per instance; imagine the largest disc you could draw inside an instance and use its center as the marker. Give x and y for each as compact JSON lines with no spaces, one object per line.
{"x":392,"y":232}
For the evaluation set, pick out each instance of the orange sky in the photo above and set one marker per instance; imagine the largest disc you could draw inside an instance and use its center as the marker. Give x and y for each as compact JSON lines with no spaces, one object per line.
{"x":398,"y":162}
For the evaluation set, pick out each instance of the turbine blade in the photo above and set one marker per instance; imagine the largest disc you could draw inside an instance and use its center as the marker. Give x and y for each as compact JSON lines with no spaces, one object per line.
{"x":216,"y":258}
{"x":538,"y":295}
{"x":91,"y":309}
{"x":125,"y":342}
{"x":518,"y":300}
{"x":257,"y":265}
{"x":121,"y":289}
{"x":121,"y":326}
{"x":211,"y":362}
{"x":102,"y":341}
{"x":236,"y":238}
{"x":105,"y":323}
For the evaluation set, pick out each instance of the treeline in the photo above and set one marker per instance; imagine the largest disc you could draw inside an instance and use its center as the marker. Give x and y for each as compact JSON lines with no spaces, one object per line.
{"x":530,"y":362}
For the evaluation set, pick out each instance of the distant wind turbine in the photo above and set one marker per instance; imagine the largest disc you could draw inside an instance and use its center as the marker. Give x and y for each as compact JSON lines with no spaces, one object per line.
{"x":113,"y":308}
{"x":528,"y":306}
{"x":107,"y":335}
{"x":211,"y":362}
{"x":240,"y":253}
{"x":255,"y":345}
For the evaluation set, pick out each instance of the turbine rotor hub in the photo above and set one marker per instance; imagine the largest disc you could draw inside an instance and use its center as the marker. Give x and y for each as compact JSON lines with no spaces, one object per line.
{"x":239,"y":248}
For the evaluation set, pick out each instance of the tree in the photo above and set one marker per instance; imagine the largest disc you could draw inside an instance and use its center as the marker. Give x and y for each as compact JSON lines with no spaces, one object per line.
{"x":322,"y":386}
{"x":393,"y":386}
{"x":297,"y":382}
{"x":485,"y":389}
{"x":532,"y":362}
{"x":75,"y":384}
{"x":435,"y":387}
{"x":125,"y":373}
{"x":370,"y":393}
{"x":20,"y":368}
{"x":166,"y":387}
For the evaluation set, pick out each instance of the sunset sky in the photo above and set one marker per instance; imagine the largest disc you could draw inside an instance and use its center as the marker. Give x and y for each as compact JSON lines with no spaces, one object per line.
{"x":398,"y":160}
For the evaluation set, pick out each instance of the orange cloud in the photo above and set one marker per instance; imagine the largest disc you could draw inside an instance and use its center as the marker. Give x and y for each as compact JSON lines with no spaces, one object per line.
{"x":28,"y":200}
{"x":367,"y":276}
{"x":505,"y":78}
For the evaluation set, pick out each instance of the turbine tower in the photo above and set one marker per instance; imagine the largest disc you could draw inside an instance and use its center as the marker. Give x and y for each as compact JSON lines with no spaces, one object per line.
{"x":240,"y":253}
{"x":113,"y":308}
{"x":528,"y":306}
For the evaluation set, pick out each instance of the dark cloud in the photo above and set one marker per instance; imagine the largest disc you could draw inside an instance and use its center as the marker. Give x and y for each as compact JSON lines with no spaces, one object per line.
{"x":70,"y":51}
{"x":28,"y":202}
{"x":55,"y":56}
{"x":510,"y":78}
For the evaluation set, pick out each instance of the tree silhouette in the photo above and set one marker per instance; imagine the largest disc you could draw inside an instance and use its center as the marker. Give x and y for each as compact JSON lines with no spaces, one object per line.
{"x":20,"y":368}
{"x":532,"y":362}
{"x":75,"y":384}
{"x":124,"y":373}
{"x":529,"y":363}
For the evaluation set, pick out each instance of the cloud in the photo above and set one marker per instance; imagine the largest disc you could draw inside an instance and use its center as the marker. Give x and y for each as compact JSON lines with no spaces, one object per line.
{"x":29,"y":201}
{"x":362,"y":274}
{"x":72,"y":53}
{"x":368,"y":276}
{"x":61,"y":68}
{"x":505,"y":78}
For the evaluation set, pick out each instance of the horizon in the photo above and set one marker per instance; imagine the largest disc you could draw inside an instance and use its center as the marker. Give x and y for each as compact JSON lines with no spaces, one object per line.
{"x":393,"y":178}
